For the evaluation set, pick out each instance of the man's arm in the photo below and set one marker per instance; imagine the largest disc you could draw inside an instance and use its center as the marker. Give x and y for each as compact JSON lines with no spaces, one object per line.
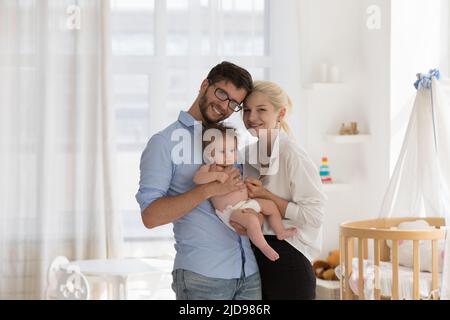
{"x":168,"y":209}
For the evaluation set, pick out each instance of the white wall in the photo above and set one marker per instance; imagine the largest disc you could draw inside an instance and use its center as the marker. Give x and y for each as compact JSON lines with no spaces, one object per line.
{"x":335,"y":32}
{"x":286,"y":69}
{"x":419,"y":42}
{"x":375,"y":89}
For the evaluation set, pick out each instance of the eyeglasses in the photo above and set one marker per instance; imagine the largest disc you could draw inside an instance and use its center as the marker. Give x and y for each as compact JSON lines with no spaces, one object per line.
{"x":222,"y":95}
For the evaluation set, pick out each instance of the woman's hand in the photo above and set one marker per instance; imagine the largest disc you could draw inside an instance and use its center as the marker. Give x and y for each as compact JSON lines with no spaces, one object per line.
{"x":255,"y":188}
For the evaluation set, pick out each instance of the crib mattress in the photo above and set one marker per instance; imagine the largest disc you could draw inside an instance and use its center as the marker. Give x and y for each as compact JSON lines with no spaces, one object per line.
{"x":385,"y":284}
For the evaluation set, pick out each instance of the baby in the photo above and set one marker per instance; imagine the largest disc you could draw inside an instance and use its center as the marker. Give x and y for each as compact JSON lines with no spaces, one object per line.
{"x":229,"y":207}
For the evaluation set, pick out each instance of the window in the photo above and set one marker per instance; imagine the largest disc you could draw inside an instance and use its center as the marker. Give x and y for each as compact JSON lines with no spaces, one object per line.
{"x":162,"y":50}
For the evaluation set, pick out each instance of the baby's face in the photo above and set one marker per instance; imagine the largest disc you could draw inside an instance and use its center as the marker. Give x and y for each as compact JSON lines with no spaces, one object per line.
{"x":224,"y":152}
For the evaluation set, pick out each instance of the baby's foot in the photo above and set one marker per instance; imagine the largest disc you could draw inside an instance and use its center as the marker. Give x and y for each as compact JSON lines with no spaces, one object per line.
{"x":270,"y":253}
{"x":287,"y":233}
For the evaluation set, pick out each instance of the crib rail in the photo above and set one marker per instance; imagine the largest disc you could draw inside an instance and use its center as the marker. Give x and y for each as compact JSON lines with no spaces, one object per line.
{"x":379,"y":231}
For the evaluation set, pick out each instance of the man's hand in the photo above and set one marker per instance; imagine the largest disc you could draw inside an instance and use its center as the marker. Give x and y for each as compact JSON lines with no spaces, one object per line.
{"x":229,"y":169}
{"x":233,"y":183}
{"x":240,"y":230}
{"x":221,"y":177}
{"x":215,"y":168}
{"x":258,"y":214}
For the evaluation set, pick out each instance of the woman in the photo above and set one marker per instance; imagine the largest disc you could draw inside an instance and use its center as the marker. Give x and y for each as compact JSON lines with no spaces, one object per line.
{"x":291,"y":180}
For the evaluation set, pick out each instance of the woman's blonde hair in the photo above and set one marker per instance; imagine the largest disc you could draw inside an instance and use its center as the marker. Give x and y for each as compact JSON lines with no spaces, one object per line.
{"x":277,"y":97}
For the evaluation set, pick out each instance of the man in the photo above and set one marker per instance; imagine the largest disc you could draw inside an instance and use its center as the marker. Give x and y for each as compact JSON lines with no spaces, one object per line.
{"x":212,"y":261}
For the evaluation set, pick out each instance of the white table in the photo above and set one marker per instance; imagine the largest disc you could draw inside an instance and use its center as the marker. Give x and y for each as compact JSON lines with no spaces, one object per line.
{"x":117,"y":272}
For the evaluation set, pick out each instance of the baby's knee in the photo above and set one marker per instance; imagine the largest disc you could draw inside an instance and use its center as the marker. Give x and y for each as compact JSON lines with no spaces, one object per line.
{"x":254,"y":221}
{"x":268,"y":208}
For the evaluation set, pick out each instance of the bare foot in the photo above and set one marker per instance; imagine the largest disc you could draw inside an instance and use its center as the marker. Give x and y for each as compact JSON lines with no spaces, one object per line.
{"x":270,"y":253}
{"x":287,"y":233}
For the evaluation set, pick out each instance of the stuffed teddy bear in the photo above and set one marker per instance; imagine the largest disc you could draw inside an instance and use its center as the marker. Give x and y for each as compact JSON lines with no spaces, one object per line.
{"x":324,"y":269}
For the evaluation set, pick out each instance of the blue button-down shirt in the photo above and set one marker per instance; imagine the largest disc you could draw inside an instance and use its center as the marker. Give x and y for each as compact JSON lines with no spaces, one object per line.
{"x":203,"y":243}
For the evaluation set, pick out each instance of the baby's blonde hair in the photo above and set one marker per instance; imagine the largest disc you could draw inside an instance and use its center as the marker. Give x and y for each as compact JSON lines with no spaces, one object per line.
{"x":277,"y":96}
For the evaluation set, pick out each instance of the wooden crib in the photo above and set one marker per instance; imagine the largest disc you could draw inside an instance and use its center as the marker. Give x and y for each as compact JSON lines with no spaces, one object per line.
{"x":379,"y":231}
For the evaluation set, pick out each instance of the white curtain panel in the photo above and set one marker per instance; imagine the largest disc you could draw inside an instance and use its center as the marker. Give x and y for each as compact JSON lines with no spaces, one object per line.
{"x":56,"y":164}
{"x":420,"y":184}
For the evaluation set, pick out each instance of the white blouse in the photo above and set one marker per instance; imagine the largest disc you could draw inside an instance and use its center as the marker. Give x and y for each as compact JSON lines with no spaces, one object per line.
{"x":298,"y":181}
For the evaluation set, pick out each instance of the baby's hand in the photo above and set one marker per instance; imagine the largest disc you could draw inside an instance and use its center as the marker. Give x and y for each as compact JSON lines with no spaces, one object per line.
{"x":222,"y":177}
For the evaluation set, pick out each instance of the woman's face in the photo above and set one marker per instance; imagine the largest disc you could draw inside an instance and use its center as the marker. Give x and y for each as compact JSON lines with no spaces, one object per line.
{"x":259,"y":113}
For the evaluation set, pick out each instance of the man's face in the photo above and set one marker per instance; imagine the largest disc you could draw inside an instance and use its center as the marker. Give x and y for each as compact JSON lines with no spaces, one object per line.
{"x":215,"y":110}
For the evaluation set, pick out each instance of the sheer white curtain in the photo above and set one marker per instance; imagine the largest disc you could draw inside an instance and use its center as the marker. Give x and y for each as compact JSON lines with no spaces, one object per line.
{"x":420,"y":184}
{"x":56,"y":177}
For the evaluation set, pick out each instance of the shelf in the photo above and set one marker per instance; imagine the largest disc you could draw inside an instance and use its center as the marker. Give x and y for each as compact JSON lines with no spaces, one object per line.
{"x":323,"y":85}
{"x":335,"y":186}
{"x":357,"y":138}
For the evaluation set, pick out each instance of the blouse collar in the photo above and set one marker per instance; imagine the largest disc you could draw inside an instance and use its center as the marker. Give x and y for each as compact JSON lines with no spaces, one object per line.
{"x":274,"y":157}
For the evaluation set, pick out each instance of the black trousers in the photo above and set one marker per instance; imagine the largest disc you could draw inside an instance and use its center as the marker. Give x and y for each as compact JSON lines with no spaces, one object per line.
{"x":291,"y":277}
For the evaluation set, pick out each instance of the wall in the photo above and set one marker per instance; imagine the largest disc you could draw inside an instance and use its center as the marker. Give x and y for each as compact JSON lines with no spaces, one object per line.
{"x":417,"y":45}
{"x":378,"y":71}
{"x":286,"y":70}
{"x":335,"y":32}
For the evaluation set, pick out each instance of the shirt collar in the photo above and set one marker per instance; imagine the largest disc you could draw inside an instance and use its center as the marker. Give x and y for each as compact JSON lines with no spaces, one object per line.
{"x":187,"y":119}
{"x":282,"y":136}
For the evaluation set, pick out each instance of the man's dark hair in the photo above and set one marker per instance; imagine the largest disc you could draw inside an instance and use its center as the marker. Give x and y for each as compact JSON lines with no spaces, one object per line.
{"x":228,"y":71}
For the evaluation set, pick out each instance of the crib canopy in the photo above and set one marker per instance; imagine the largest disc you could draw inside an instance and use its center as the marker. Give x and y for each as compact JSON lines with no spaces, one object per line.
{"x":420,"y":183}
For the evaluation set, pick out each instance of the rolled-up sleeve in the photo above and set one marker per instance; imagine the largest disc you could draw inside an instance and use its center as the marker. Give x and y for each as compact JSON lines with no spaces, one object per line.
{"x":156,"y":170}
{"x":308,"y":199}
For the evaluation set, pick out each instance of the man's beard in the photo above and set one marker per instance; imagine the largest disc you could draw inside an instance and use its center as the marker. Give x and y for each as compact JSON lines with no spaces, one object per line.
{"x":203,"y":106}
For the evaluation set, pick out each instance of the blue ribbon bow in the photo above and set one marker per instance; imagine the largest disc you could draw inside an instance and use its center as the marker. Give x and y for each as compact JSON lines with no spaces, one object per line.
{"x":424,"y":80}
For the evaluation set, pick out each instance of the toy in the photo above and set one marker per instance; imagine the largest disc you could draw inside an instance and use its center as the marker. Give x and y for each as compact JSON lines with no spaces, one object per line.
{"x":324,"y":269}
{"x":352,"y":129}
{"x":325,"y":171}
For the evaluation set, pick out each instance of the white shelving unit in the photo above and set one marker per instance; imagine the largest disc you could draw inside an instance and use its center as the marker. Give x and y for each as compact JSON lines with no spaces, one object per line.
{"x":343,"y":139}
{"x":317,"y":90}
{"x":357,"y":138}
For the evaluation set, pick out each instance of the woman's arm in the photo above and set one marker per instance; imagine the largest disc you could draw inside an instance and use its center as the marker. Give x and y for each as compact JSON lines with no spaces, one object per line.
{"x":308,"y":199}
{"x":280,"y":202}
{"x":204,"y":176}
{"x":307,"y":202}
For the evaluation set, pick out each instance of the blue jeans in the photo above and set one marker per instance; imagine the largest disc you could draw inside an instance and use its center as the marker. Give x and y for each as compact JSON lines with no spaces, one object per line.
{"x":189,"y":285}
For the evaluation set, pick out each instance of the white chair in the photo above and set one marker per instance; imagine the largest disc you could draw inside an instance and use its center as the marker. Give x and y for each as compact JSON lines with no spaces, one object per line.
{"x":66,"y":284}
